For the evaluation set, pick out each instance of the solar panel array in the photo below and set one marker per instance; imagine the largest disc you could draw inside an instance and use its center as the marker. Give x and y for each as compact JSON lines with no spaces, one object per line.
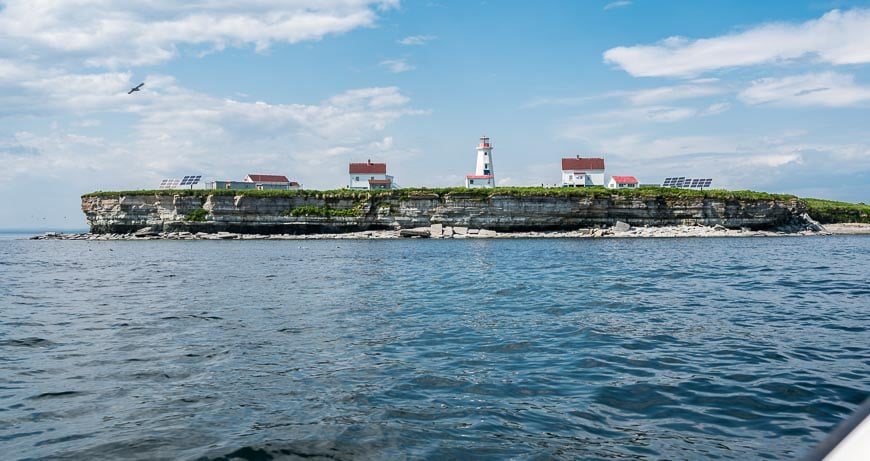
{"x":169,"y":183}
{"x":190,"y":180}
{"x":683,"y":182}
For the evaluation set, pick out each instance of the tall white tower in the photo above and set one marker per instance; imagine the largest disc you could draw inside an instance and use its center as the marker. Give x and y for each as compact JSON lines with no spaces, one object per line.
{"x":483,"y":175}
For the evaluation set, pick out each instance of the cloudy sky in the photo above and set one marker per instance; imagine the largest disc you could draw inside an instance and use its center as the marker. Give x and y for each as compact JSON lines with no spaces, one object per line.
{"x":771,"y":95}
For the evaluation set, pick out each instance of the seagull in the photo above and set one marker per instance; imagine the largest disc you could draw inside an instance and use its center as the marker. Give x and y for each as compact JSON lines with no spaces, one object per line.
{"x":136,"y":88}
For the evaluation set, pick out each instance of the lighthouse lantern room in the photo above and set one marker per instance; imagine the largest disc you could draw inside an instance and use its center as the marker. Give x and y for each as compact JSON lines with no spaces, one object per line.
{"x":483,"y":175}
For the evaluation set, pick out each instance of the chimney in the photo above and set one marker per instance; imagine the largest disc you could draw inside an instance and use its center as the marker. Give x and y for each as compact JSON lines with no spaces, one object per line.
{"x":578,"y":157}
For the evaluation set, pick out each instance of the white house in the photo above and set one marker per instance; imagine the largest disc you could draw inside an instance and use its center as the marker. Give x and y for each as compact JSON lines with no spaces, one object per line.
{"x":484,"y":175}
{"x":271,"y":181}
{"x":370,"y":176}
{"x":622,"y":182}
{"x":581,"y":172}
{"x":258,"y":182}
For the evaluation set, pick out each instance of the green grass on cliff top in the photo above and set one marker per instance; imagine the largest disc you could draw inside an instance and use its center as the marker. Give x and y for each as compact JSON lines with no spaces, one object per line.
{"x":830,"y":211}
{"x":461,"y":191}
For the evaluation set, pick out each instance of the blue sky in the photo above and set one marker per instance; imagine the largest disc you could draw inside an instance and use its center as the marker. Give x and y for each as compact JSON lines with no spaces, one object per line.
{"x":769,"y":95}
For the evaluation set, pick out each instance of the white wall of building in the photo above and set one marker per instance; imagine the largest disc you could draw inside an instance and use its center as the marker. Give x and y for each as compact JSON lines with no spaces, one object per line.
{"x":584,"y":178}
{"x":361,"y":181}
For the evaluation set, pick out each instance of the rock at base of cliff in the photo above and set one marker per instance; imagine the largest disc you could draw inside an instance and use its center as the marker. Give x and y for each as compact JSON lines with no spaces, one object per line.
{"x":621,"y":226}
{"x":812,"y":224}
{"x":437,"y":230}
{"x":419,"y":233}
{"x":146,"y":232}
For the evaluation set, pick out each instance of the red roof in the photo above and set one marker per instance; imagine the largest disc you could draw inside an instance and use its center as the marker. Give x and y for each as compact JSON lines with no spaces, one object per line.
{"x":625,"y":179}
{"x":266,"y":178}
{"x":580,"y":163}
{"x":368,"y":168}
{"x":482,"y":176}
{"x":380,"y":181}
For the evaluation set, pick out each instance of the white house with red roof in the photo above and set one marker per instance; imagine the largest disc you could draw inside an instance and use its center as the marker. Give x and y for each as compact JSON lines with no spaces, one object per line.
{"x":258,"y":182}
{"x":623,"y":182}
{"x":484,"y":175}
{"x":582,"y":171}
{"x":370,"y":176}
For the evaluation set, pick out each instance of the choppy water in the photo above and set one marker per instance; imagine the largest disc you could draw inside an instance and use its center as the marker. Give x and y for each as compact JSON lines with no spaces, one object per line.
{"x":467,"y":349}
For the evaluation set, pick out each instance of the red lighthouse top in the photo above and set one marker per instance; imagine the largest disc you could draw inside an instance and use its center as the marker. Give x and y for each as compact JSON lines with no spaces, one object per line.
{"x":484,"y":142}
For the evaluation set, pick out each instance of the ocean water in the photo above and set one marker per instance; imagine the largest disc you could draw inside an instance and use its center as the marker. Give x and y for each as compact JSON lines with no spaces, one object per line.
{"x":431,"y":349}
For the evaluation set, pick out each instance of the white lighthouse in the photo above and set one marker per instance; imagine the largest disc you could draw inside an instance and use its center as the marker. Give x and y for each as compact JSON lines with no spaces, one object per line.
{"x":483,"y":175}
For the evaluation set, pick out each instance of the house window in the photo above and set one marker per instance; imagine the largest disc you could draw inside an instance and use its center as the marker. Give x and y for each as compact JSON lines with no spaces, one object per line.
{"x":470,"y":181}
{"x":356,"y":178}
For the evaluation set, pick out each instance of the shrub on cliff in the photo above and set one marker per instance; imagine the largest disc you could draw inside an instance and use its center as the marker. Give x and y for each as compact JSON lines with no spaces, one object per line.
{"x":197,"y":215}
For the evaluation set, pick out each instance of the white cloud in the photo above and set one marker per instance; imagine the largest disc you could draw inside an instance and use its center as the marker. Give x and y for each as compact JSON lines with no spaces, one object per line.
{"x":176,"y":130}
{"x":658,"y":95}
{"x":822,"y":89}
{"x":714,"y":109}
{"x":838,"y":37}
{"x":417,"y":40}
{"x":672,"y":93}
{"x":116,"y":33}
{"x":617,"y":4}
{"x":397,"y":66}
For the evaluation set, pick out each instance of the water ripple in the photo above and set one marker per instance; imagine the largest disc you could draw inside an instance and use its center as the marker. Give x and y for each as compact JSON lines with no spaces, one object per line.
{"x":482,"y":349}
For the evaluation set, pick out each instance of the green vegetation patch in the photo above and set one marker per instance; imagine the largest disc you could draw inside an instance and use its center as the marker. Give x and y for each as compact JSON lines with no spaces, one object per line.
{"x":833,"y":212}
{"x":197,"y":215}
{"x":477,"y":193}
{"x":321,"y":211}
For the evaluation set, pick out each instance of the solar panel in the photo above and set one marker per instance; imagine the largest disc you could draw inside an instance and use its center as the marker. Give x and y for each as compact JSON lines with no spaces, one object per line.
{"x":669,"y":182}
{"x":682,"y":182}
{"x":169,"y":183}
{"x":190,"y":180}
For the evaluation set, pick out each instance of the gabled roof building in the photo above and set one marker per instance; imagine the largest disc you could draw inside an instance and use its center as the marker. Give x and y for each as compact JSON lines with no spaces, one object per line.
{"x":582,"y":171}
{"x":623,"y":182}
{"x":258,"y":182}
{"x":370,"y":176}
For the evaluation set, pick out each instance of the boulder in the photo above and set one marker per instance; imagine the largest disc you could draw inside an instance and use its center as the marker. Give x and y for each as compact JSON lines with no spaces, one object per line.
{"x":419,"y":233}
{"x":719,"y":227}
{"x":436,"y":230}
{"x":460,"y":230}
{"x":621,"y":226}
{"x":146,"y":232}
{"x":812,"y":224}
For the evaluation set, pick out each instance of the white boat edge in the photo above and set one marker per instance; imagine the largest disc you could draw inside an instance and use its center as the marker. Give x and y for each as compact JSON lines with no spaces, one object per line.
{"x":849,"y":441}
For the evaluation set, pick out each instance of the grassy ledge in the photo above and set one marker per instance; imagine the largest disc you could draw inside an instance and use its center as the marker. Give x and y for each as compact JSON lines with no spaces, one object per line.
{"x":831,"y":212}
{"x":646,"y":192}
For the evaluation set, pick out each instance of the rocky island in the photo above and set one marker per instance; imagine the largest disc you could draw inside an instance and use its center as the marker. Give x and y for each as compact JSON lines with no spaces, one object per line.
{"x":453,"y":212}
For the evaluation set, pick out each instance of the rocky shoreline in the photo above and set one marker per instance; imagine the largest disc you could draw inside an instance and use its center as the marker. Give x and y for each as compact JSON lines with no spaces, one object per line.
{"x":437,"y":231}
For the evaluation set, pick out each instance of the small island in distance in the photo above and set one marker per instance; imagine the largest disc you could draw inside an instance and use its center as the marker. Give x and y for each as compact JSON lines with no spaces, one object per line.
{"x":461,"y":213}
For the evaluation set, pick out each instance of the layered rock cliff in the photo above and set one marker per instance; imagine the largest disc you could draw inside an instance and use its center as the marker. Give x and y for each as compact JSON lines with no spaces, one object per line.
{"x":312,"y":212}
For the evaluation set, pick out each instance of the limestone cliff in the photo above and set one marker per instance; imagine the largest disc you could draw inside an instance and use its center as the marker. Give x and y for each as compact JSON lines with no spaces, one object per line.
{"x":503,"y":211}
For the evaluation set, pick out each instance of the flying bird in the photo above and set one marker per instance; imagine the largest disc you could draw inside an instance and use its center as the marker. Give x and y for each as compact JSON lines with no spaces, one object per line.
{"x":136,"y":88}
